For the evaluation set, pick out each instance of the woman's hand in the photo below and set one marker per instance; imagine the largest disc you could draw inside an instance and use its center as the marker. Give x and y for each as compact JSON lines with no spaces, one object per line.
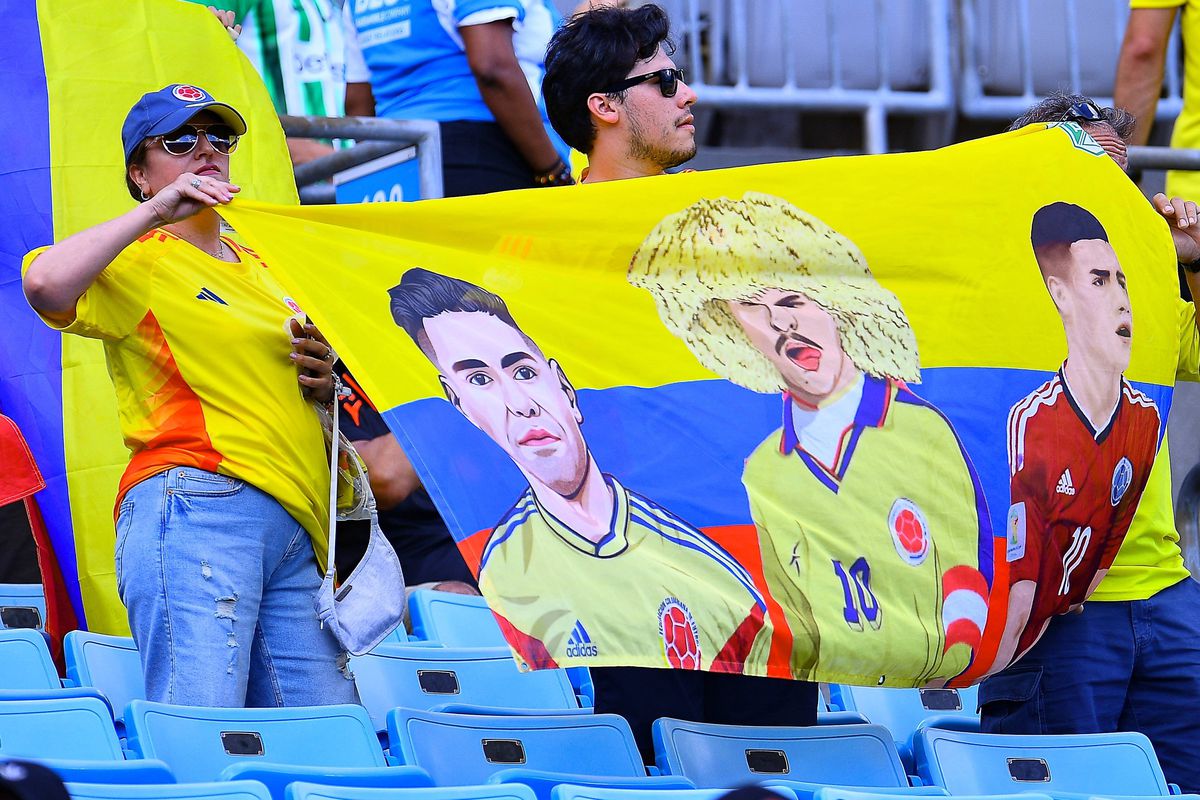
{"x":189,"y":194}
{"x":314,"y":358}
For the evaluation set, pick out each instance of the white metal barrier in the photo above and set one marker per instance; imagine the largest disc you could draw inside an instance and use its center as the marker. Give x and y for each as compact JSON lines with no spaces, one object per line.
{"x":1016,"y":51}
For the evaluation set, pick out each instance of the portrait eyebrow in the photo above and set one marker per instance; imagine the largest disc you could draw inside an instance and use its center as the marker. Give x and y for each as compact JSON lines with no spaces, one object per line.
{"x":514,"y":358}
{"x":468,"y":363}
{"x":1102,"y":273}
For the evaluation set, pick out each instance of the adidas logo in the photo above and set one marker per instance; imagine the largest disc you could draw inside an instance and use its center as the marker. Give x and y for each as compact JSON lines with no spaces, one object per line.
{"x":209,"y":294}
{"x":1065,"y":486}
{"x":579,"y":644}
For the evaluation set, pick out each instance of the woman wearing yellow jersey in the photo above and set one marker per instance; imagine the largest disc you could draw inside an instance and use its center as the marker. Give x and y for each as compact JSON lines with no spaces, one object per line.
{"x":224,"y":496}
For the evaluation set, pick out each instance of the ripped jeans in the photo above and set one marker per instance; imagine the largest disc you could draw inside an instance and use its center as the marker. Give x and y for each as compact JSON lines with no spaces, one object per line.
{"x":218,"y":580}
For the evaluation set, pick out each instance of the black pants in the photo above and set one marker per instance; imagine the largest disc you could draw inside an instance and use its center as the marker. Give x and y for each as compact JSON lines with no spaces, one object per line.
{"x":642,"y":695}
{"x":478,"y":158}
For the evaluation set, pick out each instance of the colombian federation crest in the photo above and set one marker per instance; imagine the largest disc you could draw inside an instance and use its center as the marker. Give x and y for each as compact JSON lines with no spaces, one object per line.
{"x":680,"y":636}
{"x":1122,"y":479}
{"x":910,"y":531}
{"x":188,"y":94}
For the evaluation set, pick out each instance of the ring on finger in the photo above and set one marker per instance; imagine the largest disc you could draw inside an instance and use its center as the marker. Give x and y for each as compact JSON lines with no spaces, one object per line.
{"x":195,"y":183}
{"x":328,"y":356}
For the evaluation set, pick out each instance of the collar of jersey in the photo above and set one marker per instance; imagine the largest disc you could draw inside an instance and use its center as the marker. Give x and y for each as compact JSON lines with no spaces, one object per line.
{"x":1101,"y":434}
{"x":614,"y":542}
{"x":872,"y":413}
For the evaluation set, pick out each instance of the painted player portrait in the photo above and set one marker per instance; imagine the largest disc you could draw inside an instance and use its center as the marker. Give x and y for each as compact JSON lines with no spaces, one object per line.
{"x":871,"y":519}
{"x":580,"y":569}
{"x":1080,"y":446}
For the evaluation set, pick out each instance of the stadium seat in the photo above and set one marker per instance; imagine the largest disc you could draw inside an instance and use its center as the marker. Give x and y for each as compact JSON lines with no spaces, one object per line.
{"x":462,"y":749}
{"x":25,"y":661}
{"x":22,"y":605}
{"x":430,"y":677}
{"x":573,"y":792}
{"x":109,"y":664}
{"x":65,"y":727}
{"x":198,"y":743}
{"x":715,"y":756}
{"x":978,"y":763}
{"x":840,"y":793}
{"x":310,"y":791}
{"x":227,"y":790}
{"x":454,"y":620}
{"x":139,"y":771}
{"x":903,"y":711}
{"x":278,"y":777}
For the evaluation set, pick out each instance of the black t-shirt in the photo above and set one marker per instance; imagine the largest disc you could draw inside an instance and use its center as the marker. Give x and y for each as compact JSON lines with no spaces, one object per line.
{"x":422,"y":541}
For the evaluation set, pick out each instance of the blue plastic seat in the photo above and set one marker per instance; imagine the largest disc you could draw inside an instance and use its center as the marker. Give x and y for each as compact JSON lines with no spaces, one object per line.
{"x":22,"y":605}
{"x":715,"y":756}
{"x":278,"y":777}
{"x":310,"y":791}
{"x":65,"y":727}
{"x":454,"y":620}
{"x":903,"y":711}
{"x":25,"y":661}
{"x":464,"y":749}
{"x":226,"y":790}
{"x":430,"y":677}
{"x":199,"y":743}
{"x":137,"y":771}
{"x":574,"y":792}
{"x":1099,"y":763}
{"x":109,"y":664}
{"x":840,"y":793}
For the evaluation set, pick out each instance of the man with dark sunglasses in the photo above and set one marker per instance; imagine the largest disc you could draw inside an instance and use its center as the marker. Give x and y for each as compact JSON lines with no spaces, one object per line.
{"x":613,"y":92}
{"x":1130,"y":658}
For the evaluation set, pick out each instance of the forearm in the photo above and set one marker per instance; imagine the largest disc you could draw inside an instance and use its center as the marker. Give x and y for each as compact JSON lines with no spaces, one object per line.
{"x":360,"y":100}
{"x":507,"y":95}
{"x":392,"y":475}
{"x":1140,"y":67}
{"x":1193,"y":282}
{"x":56,"y":279}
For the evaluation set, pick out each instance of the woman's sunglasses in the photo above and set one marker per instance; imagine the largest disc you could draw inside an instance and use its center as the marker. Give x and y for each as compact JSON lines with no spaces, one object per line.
{"x":668,"y":81}
{"x":184,"y":139}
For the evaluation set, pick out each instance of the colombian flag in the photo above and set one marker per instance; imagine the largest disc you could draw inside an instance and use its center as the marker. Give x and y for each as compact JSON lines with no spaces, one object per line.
{"x":69,"y":72}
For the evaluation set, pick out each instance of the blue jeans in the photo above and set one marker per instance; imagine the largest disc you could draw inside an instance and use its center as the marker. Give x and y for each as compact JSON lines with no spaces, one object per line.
{"x":218,"y":580}
{"x":1115,"y":666}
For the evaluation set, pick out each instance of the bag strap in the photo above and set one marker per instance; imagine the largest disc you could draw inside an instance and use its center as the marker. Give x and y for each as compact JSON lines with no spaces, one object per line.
{"x":334,"y":448}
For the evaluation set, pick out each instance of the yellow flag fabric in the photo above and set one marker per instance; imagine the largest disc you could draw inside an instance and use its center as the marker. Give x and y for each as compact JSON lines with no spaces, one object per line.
{"x":74,"y":69}
{"x":869,"y":420}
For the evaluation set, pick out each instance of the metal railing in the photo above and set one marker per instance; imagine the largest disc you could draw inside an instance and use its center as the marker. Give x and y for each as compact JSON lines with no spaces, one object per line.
{"x":375,"y":137}
{"x":874,"y":57}
{"x":1187,"y":520}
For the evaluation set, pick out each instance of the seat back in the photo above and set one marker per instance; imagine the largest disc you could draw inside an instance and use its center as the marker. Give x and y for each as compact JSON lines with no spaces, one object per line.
{"x":901,"y":711}
{"x":108,"y":663}
{"x":197,"y":743}
{"x":979,"y":763}
{"x":569,"y":791}
{"x":311,"y":791}
{"x":424,"y":677}
{"x":455,"y":620}
{"x":225,"y":790}
{"x":69,"y":728}
{"x":25,"y":661}
{"x":462,"y":749}
{"x":22,"y":605}
{"x":714,"y":756}
{"x":840,"y":793}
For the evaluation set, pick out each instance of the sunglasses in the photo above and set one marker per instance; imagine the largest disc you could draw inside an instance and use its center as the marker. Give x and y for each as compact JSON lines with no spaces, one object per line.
{"x":184,"y":139}
{"x":1086,"y":111}
{"x":668,"y":81}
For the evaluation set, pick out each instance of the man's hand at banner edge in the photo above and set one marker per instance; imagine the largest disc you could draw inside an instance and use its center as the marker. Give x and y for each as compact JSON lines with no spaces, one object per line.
{"x":229,"y":21}
{"x":1183,"y":218}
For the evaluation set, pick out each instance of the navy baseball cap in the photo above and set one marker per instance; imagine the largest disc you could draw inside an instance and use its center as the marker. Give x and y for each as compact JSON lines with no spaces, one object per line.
{"x":168,"y":108}
{"x":29,"y":781}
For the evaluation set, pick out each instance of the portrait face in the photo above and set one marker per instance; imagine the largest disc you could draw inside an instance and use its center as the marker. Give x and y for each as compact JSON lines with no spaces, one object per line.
{"x":1094,"y":303}
{"x":507,"y":389}
{"x":800,"y":338}
{"x":661,"y":129}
